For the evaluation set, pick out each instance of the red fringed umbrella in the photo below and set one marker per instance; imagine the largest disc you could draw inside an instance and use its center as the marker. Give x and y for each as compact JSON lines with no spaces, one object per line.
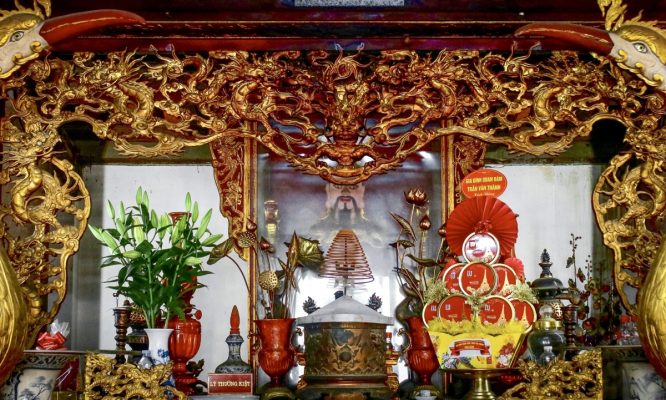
{"x":482,"y":214}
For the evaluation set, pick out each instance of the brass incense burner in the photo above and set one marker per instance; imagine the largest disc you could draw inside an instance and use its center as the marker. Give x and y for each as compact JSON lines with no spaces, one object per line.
{"x":345,"y":352}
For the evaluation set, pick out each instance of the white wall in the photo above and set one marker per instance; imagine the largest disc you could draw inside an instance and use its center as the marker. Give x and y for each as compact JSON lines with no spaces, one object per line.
{"x":92,"y":312}
{"x":552,"y":202}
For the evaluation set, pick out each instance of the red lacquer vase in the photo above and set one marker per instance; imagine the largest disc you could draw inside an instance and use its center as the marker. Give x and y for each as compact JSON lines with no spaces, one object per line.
{"x":276,"y":355}
{"x":184,"y":344}
{"x":421,"y":354}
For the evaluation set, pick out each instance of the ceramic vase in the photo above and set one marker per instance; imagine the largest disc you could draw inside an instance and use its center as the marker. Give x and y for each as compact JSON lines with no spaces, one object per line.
{"x":183,"y":345}
{"x":158,"y":344}
{"x":276,"y":355}
{"x":34,"y":377}
{"x":421,"y":354}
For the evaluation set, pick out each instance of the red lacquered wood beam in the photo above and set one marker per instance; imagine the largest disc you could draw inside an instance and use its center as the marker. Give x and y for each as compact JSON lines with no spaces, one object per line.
{"x":190,"y":44}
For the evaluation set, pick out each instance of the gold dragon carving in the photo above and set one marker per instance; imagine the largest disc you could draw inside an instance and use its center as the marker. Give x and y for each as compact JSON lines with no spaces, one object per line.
{"x":46,"y":215}
{"x":629,"y":198}
{"x":295,"y":104}
{"x":155,"y":104}
{"x":233,"y":163}
{"x":13,"y":318}
{"x":105,"y":379}
{"x":579,"y":379}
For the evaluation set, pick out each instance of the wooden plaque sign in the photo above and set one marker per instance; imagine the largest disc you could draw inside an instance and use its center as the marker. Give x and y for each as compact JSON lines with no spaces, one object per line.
{"x":230,"y":383}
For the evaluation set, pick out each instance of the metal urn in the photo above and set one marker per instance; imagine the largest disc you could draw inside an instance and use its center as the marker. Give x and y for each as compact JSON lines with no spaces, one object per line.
{"x":345,"y":352}
{"x":548,"y":288}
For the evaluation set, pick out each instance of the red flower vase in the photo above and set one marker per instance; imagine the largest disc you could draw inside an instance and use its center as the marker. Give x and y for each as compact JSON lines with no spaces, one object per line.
{"x":276,"y":355}
{"x":184,"y":344}
{"x":421,"y":354}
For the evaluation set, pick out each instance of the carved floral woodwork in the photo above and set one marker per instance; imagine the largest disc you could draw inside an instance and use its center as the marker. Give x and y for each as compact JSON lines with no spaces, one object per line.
{"x":234,"y":163}
{"x":343,"y":116}
{"x":460,"y":155}
{"x":468,"y":156}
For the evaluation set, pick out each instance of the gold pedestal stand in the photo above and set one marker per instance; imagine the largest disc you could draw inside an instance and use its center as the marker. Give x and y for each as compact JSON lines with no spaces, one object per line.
{"x":481,"y":381}
{"x":268,"y":392}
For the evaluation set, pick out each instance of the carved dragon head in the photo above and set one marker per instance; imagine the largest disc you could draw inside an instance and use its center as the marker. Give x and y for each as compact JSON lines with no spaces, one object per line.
{"x":25,"y":32}
{"x":636,"y":45}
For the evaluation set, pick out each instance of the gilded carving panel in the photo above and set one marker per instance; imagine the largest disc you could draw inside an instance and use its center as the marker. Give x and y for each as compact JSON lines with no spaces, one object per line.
{"x":342,"y":116}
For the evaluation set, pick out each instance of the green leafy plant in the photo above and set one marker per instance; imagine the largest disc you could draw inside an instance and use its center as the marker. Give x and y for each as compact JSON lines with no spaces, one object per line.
{"x":160,"y":256}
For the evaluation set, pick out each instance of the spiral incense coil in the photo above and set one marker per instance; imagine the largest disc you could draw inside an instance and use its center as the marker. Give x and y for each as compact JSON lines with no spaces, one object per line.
{"x":346,"y":259}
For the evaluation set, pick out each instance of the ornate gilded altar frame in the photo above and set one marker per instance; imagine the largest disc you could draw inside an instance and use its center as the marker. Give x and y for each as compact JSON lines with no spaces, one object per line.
{"x":156,"y":104}
{"x":344,"y":116}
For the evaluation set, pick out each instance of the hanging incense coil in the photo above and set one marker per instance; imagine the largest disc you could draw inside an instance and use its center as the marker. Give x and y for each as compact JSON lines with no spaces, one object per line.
{"x":346,"y":259}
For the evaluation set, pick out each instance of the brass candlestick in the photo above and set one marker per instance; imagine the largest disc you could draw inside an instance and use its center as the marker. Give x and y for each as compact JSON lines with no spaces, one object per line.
{"x":122,"y":317}
{"x":570,"y":319}
{"x":392,"y":357}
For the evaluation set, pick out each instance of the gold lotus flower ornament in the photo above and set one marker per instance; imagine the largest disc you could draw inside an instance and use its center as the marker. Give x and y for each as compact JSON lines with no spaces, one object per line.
{"x":266,"y":246}
{"x":425,"y":223}
{"x":268,"y":280}
{"x":246,"y":239}
{"x":416,"y":197}
{"x":250,"y":226}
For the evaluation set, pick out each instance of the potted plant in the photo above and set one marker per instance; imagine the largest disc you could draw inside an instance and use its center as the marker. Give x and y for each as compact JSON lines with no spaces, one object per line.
{"x":159,"y":258}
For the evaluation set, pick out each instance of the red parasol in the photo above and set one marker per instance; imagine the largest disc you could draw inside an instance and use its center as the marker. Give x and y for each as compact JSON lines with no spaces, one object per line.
{"x":482,"y":214}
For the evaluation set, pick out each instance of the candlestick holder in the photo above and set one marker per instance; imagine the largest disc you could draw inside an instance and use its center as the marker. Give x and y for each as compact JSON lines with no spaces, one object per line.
{"x":570,"y":319}
{"x":122,"y":317}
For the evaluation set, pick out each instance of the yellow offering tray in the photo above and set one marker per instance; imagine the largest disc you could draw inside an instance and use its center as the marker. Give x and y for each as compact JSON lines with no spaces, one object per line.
{"x":471,"y":345}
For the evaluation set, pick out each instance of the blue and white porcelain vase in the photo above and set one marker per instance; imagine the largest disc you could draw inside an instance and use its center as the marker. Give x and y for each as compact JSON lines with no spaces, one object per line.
{"x":158,"y":344}
{"x":34,"y":378}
